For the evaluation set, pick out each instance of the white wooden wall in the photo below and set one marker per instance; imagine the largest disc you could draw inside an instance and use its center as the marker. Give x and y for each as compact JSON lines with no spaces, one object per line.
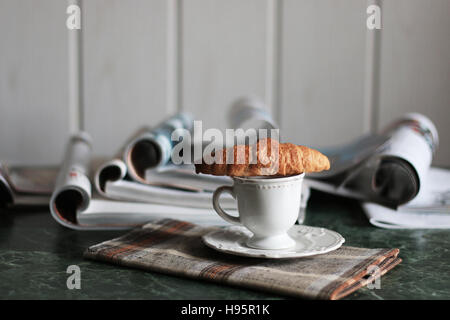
{"x":322,"y":74}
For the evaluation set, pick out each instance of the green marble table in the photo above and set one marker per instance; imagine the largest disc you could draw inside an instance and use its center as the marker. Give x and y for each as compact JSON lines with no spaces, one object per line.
{"x":35,"y":252}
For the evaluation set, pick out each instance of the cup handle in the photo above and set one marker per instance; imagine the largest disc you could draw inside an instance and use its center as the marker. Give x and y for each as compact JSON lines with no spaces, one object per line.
{"x":219,"y":210}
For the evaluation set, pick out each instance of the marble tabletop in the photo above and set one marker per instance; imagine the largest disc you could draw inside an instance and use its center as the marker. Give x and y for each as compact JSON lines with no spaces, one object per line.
{"x":35,"y":253}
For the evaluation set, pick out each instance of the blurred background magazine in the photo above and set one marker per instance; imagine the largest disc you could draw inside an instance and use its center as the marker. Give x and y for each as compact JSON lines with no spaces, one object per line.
{"x":26,"y":185}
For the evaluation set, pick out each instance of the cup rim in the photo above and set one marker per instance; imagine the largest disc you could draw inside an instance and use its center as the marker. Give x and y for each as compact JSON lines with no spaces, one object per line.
{"x":270,"y":179}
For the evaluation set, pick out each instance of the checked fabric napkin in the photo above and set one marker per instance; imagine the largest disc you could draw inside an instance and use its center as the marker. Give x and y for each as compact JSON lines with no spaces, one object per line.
{"x":175,"y":247}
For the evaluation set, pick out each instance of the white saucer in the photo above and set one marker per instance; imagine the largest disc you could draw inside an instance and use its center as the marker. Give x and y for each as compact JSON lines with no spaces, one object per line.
{"x":308,"y":241}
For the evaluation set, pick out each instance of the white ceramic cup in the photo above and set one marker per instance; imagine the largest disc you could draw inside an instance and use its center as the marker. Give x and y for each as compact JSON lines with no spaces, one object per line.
{"x":267,"y":206}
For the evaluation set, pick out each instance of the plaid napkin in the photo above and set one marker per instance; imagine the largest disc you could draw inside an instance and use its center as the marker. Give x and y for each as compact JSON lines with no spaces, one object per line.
{"x":175,"y":247}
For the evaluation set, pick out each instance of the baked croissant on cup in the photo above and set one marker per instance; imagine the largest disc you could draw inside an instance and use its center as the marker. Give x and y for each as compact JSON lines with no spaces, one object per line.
{"x":263,"y":159}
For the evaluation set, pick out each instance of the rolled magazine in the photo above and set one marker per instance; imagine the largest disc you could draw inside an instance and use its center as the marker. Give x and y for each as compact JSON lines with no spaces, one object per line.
{"x":151,"y":148}
{"x":250,"y":113}
{"x":75,"y":205}
{"x":143,"y":171}
{"x":387,"y":168}
{"x":429,"y":209}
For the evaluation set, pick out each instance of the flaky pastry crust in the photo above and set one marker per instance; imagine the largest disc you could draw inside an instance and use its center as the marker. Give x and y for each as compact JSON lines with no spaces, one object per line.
{"x":263,"y":159}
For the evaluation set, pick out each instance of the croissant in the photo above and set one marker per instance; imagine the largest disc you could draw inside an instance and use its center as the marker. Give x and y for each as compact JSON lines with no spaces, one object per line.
{"x":259,"y":160}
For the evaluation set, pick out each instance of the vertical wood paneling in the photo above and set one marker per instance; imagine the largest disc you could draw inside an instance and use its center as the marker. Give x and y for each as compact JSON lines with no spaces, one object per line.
{"x":125,"y":55}
{"x":415,"y":67}
{"x":313,"y":61}
{"x":323,"y":71}
{"x":224,"y":55}
{"x":33,"y":80}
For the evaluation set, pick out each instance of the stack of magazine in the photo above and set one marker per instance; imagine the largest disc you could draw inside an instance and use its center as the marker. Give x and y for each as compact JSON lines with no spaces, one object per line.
{"x":87,"y":193}
{"x":140,"y":183}
{"x":389,"y":172}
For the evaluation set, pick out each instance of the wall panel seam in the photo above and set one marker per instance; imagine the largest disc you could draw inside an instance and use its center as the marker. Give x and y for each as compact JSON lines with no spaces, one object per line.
{"x":75,"y":74}
{"x":174,"y":56}
{"x":273,"y":58}
{"x":372,"y":76}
